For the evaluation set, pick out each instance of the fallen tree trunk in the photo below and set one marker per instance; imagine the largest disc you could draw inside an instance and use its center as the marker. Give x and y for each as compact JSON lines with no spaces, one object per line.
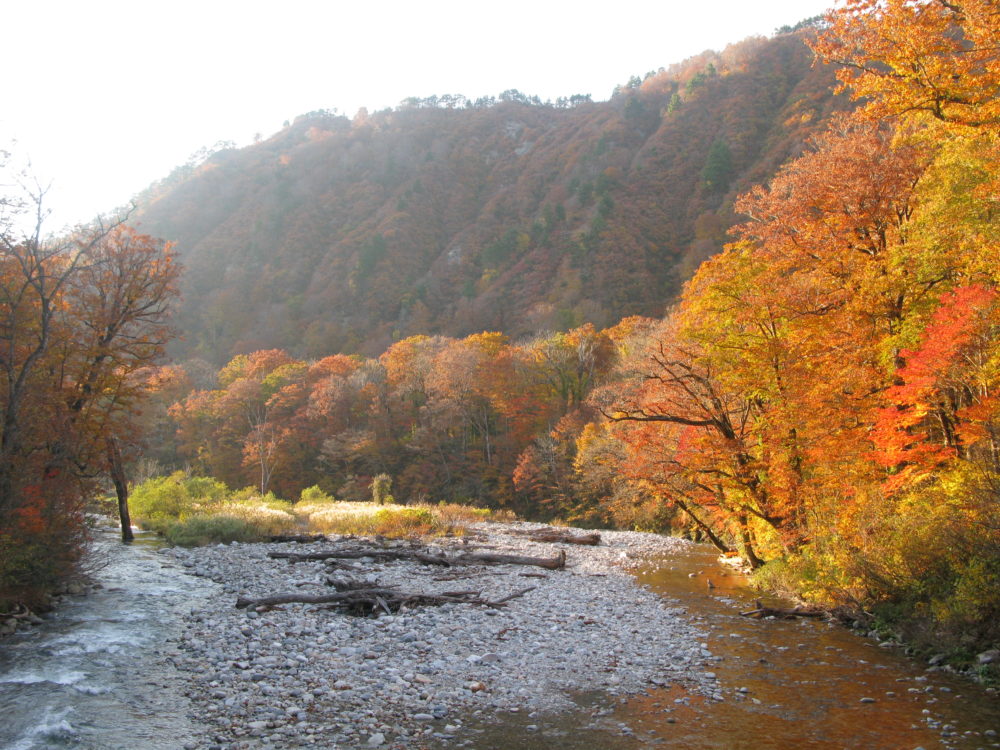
{"x":489,"y":558}
{"x":339,"y":597}
{"x":297,"y":538}
{"x":370,"y":600}
{"x":379,"y":555}
{"x":561,"y":536}
{"x":467,"y":558}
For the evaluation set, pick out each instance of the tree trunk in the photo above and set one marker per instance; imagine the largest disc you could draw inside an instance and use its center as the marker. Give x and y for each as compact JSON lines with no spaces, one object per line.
{"x":747,"y":544}
{"x":117,"y":471}
{"x":712,"y":536}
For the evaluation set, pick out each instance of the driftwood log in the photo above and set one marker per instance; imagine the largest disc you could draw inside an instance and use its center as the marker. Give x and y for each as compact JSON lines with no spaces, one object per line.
{"x":370,"y":600}
{"x":561,"y":536}
{"x":466,"y":558}
{"x":379,"y":555}
{"x":760,"y":612}
{"x":297,"y":538}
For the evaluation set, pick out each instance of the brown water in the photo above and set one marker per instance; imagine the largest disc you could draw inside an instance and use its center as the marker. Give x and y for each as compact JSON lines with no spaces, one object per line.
{"x":786,"y":684}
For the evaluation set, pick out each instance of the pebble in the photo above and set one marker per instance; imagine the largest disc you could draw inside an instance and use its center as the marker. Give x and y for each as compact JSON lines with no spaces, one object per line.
{"x":292,"y":675}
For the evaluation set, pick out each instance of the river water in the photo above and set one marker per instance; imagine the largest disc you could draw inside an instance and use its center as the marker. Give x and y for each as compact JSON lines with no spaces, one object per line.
{"x":97,"y":673}
{"x":787,"y":684}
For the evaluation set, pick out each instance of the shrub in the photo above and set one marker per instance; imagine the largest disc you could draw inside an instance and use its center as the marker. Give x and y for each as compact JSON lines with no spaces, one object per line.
{"x":394,"y":522}
{"x":200,"y":510}
{"x":315,"y":496}
{"x":368,"y":519}
{"x":265,"y":518}
{"x":454,"y":513}
{"x":251,"y":496}
{"x":157,"y":503}
{"x":381,"y":486}
{"x":201,"y":530}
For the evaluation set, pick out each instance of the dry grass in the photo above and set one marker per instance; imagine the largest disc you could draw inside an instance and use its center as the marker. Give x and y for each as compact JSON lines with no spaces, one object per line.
{"x":193,"y":510}
{"x":367,"y":519}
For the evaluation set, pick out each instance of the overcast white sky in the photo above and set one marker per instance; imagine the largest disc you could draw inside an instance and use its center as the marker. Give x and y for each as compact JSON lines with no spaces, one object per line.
{"x":105,"y":97}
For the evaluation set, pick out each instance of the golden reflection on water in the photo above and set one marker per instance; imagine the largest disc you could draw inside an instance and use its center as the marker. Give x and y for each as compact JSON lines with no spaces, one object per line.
{"x":786,"y":684}
{"x":804,"y":683}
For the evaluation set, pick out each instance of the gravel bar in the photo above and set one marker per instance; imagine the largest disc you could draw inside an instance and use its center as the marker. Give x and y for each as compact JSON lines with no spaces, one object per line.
{"x":304,"y":675}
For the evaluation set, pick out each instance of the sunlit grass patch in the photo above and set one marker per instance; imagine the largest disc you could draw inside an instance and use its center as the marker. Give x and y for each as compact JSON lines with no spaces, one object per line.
{"x":368,"y":519}
{"x":190,"y":511}
{"x":455,"y":513}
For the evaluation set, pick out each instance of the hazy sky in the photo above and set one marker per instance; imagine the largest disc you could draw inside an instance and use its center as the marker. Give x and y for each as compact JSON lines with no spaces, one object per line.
{"x":106,"y":97}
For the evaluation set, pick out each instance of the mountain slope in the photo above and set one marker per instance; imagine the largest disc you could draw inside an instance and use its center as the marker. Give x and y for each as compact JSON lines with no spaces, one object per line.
{"x":340,"y":235}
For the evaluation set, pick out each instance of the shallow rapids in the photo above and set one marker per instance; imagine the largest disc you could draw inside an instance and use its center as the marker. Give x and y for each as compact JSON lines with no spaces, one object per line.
{"x":97,"y":673}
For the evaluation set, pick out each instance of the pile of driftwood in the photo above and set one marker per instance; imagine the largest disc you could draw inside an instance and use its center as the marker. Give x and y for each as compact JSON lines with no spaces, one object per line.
{"x":367,"y":599}
{"x":361,"y":598}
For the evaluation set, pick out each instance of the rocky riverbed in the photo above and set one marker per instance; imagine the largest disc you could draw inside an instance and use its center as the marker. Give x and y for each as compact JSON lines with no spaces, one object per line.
{"x":303,"y":674}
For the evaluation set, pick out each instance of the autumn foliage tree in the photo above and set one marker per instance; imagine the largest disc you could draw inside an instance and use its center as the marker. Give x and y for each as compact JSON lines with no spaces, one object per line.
{"x":79,"y":318}
{"x":823,"y":395}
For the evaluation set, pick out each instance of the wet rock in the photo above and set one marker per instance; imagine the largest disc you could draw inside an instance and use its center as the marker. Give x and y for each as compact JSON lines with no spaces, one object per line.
{"x":989,"y":657}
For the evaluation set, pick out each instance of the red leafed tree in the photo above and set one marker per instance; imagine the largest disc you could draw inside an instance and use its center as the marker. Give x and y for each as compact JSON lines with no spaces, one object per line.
{"x":943,"y":403}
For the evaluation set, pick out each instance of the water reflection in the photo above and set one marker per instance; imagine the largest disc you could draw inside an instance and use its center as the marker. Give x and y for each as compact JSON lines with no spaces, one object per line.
{"x":785,"y":684}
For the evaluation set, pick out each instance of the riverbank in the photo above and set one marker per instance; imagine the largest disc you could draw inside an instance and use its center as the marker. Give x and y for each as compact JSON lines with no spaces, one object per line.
{"x":301,"y":674}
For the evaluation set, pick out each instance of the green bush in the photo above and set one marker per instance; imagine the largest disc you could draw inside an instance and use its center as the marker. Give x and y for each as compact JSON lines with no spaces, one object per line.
{"x":200,"y":510}
{"x":157,"y":503}
{"x":315,"y":496}
{"x":200,"y":530}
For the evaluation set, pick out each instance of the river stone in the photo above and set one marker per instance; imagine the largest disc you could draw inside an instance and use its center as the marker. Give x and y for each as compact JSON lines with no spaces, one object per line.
{"x":391,"y":676}
{"x":988,"y":657}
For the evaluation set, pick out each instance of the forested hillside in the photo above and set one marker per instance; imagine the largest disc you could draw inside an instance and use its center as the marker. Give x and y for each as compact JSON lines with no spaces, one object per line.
{"x":820,"y":399}
{"x":450,"y":216}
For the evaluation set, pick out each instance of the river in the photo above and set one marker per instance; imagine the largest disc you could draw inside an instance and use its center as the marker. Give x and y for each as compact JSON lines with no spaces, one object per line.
{"x":788,"y":684}
{"x":97,"y":674}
